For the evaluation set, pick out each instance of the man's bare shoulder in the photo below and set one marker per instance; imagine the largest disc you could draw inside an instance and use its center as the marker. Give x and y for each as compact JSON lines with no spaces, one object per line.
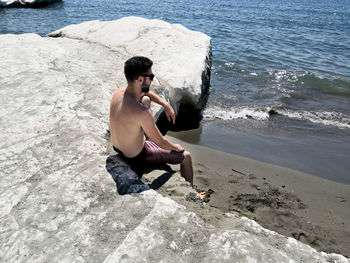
{"x":140,"y":109}
{"x":130,"y":105}
{"x":118,"y":93}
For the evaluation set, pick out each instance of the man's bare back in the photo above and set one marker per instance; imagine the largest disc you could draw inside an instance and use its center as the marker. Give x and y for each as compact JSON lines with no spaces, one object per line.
{"x":126,"y":132}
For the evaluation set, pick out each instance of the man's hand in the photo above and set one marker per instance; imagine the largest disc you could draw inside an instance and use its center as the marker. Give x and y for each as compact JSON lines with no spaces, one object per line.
{"x":178,"y":148}
{"x":169,"y":112}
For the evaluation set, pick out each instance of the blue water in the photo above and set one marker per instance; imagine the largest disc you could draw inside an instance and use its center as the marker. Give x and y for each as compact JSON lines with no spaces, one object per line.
{"x":290,"y":56}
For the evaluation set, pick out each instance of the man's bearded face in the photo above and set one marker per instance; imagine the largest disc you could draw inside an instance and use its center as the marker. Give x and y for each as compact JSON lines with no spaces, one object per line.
{"x":145,"y":86}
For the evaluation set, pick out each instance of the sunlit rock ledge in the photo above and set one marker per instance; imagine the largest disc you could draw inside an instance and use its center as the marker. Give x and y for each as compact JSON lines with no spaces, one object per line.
{"x":57,"y":201}
{"x":26,"y":3}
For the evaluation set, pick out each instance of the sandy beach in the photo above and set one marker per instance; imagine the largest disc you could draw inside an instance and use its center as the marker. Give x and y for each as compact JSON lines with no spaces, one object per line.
{"x":311,"y":209}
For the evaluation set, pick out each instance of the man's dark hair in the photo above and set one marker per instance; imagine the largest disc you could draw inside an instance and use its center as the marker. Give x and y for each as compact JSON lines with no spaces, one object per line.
{"x":136,"y":66}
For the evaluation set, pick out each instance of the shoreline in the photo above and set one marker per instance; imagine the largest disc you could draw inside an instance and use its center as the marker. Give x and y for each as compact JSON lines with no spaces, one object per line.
{"x":311,"y":209}
{"x":280,"y":142}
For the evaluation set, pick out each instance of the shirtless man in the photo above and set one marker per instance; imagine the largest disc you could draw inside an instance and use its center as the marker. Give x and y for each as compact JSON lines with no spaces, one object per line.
{"x":134,"y":134}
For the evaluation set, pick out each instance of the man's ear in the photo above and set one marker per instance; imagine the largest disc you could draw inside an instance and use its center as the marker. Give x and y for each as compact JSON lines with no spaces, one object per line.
{"x":139,"y":79}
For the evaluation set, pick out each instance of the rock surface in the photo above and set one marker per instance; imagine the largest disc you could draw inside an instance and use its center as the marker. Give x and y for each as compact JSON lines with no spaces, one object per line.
{"x":182,"y":58}
{"x":26,"y":3}
{"x":57,"y":201}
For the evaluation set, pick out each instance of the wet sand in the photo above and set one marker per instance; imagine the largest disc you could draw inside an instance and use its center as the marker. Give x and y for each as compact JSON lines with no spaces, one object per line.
{"x":311,"y":209}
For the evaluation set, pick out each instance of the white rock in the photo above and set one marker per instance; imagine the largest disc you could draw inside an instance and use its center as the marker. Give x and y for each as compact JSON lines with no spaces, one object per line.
{"x":182,"y":58}
{"x":58,"y":202}
{"x":26,"y":3}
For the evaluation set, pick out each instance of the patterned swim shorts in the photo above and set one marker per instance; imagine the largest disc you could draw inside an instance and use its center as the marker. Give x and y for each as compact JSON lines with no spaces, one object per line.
{"x":151,"y":155}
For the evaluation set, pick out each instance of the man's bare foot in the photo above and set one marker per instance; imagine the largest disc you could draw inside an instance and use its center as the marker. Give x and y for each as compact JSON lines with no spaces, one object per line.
{"x":201,"y":195}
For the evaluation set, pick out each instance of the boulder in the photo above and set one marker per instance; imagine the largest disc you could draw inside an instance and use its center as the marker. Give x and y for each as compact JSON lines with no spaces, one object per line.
{"x":58,"y":203}
{"x":182,"y":57}
{"x":26,"y":3}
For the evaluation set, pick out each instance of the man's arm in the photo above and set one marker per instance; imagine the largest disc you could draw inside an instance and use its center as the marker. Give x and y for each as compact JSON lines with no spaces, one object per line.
{"x":151,"y":130}
{"x":169,"y":111}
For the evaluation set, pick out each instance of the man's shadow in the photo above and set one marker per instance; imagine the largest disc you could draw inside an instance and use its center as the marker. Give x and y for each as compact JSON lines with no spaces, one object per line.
{"x":162,"y":179}
{"x":128,"y":181}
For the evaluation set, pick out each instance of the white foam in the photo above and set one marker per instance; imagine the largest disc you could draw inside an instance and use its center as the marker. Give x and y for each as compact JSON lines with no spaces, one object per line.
{"x":291,"y":76}
{"x":336,"y":119}
{"x":231,"y":113}
{"x":230,"y":64}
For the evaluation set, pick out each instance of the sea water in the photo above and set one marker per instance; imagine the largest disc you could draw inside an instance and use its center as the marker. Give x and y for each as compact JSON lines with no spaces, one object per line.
{"x":292,"y":57}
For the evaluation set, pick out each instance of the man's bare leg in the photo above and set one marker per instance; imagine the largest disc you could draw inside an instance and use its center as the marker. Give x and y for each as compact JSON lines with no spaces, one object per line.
{"x":186,"y":168}
{"x":187,"y":172}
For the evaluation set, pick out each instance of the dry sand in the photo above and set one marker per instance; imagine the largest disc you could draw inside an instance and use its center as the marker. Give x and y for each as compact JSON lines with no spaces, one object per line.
{"x":311,"y":209}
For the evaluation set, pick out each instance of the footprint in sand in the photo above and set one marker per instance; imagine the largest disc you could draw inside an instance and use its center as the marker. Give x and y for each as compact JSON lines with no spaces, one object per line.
{"x":341,"y":199}
{"x":176,"y":192}
{"x":270,"y":198}
{"x":202,"y":180}
{"x":252,"y":177}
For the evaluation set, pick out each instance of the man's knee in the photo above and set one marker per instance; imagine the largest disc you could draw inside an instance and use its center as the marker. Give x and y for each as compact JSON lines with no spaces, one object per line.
{"x":146,"y":101}
{"x":188,"y":156}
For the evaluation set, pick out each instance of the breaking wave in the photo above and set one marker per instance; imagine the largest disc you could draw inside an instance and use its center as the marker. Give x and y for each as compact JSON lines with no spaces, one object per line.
{"x":231,"y":113}
{"x":336,"y":119}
